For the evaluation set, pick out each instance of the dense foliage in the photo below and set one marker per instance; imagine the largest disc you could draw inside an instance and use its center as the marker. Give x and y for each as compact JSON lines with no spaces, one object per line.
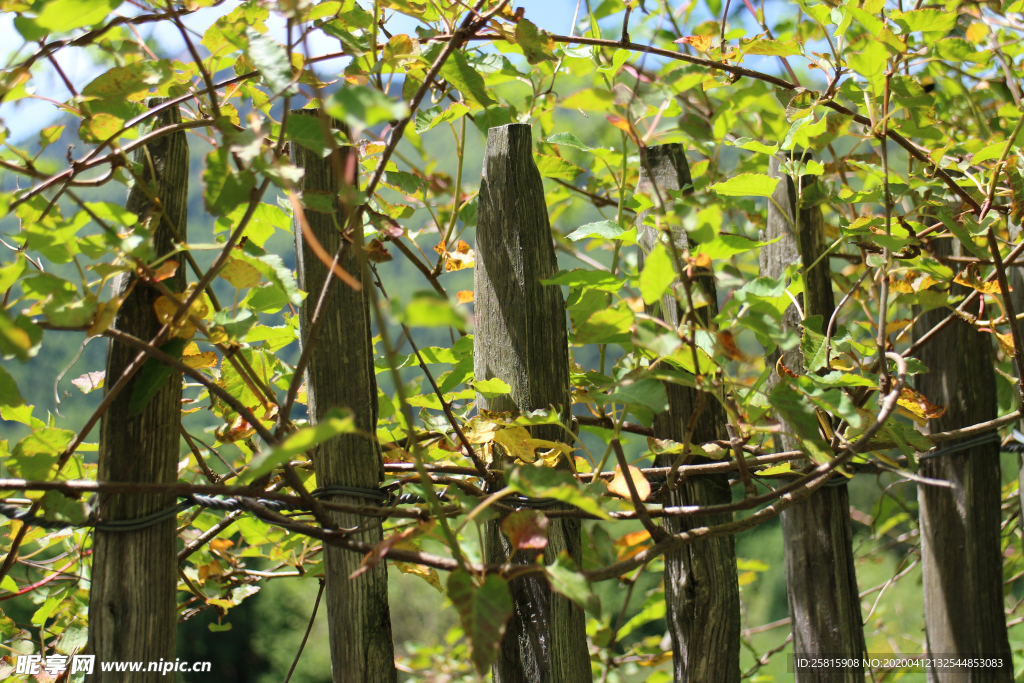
{"x":908,"y":117}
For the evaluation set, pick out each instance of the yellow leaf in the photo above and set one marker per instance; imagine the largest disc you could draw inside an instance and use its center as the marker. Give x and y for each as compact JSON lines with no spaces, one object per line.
{"x":700,"y":43}
{"x":553,"y":452}
{"x":747,"y":577}
{"x":969,"y":278}
{"x":240,"y":274}
{"x":479,"y":430}
{"x":461,"y":257}
{"x":516,"y":442}
{"x":620,"y":487}
{"x":212,"y":569}
{"x":167,"y":269}
{"x":977,"y":32}
{"x":165,"y":309}
{"x":896,"y":325}
{"x":631,"y":544}
{"x":632,"y":538}
{"x":1006,"y":342}
{"x":106,"y":311}
{"x":206,"y":359}
{"x":464,"y":296}
{"x":582,"y":465}
{"x":916,"y":403}
{"x":428,"y":574}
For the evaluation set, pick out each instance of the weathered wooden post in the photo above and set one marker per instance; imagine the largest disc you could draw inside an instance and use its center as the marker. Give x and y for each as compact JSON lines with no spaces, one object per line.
{"x":132,"y":601}
{"x":821,"y":580}
{"x":960,"y":527}
{"x":701,"y":590}
{"x":520,"y":337}
{"x":340,"y":374}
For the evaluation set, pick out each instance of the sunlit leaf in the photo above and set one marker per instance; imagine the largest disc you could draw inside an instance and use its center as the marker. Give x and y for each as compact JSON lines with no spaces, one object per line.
{"x":620,"y":487}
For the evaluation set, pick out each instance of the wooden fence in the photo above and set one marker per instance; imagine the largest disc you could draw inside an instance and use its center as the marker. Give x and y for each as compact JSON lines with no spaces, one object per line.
{"x":521,"y":338}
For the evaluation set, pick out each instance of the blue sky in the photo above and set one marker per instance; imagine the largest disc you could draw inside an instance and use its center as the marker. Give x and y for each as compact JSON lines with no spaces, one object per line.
{"x":25,"y":118}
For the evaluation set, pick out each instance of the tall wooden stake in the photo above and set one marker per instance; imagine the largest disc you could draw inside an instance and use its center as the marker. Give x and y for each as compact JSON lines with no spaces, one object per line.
{"x":821,"y":581}
{"x":701,"y":590}
{"x":132,"y":602}
{"x":520,"y":337}
{"x":960,"y":527}
{"x":340,"y":374}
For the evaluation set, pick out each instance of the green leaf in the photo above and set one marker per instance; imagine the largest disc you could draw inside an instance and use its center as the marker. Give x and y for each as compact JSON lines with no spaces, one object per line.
{"x":361,"y":106}
{"x":618,"y":59}
{"x":226,"y":188}
{"x":537,"y":45}
{"x":63,"y":15}
{"x":271,"y":59}
{"x":870,"y":61}
{"x":483,"y":611}
{"x":649,"y":393}
{"x":608,"y":230}
{"x":9,"y":273}
{"x":570,"y":140}
{"x":658,"y":274}
{"x":122,"y":81}
{"x":153,"y":376}
{"x":556,"y":167}
{"x":19,"y":338}
{"x":593,"y":279}
{"x":58,"y":507}
{"x":73,"y":640}
{"x":490,"y":388}
{"x":653,"y":609}
{"x":35,"y":457}
{"x":726,"y":246}
{"x":747,"y":185}
{"x":798,"y":412}
{"x":459,"y":73}
{"x":47,"y":609}
{"x":263,"y":366}
{"x":754,"y":145}
{"x":236,"y":323}
{"x":427,"y":309}
{"x":606,"y":326}
{"x":335,"y":422}
{"x":546,"y":482}
{"x":112,"y":214}
{"x":308,"y":131}
{"x":772,"y":48}
{"x":276,"y":338}
{"x":812,"y":343}
{"x":435,"y":116}
{"x":564,"y":579}
{"x":9,"y":394}
{"x":925,"y":20}
{"x":275,"y":271}
{"x":589,"y":100}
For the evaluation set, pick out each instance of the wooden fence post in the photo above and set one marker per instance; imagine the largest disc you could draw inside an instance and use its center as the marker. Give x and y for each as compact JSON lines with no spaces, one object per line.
{"x":701,"y":589}
{"x":520,"y":337}
{"x":340,"y":374}
{"x":960,"y":527}
{"x":821,"y":580}
{"x":132,"y":603}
